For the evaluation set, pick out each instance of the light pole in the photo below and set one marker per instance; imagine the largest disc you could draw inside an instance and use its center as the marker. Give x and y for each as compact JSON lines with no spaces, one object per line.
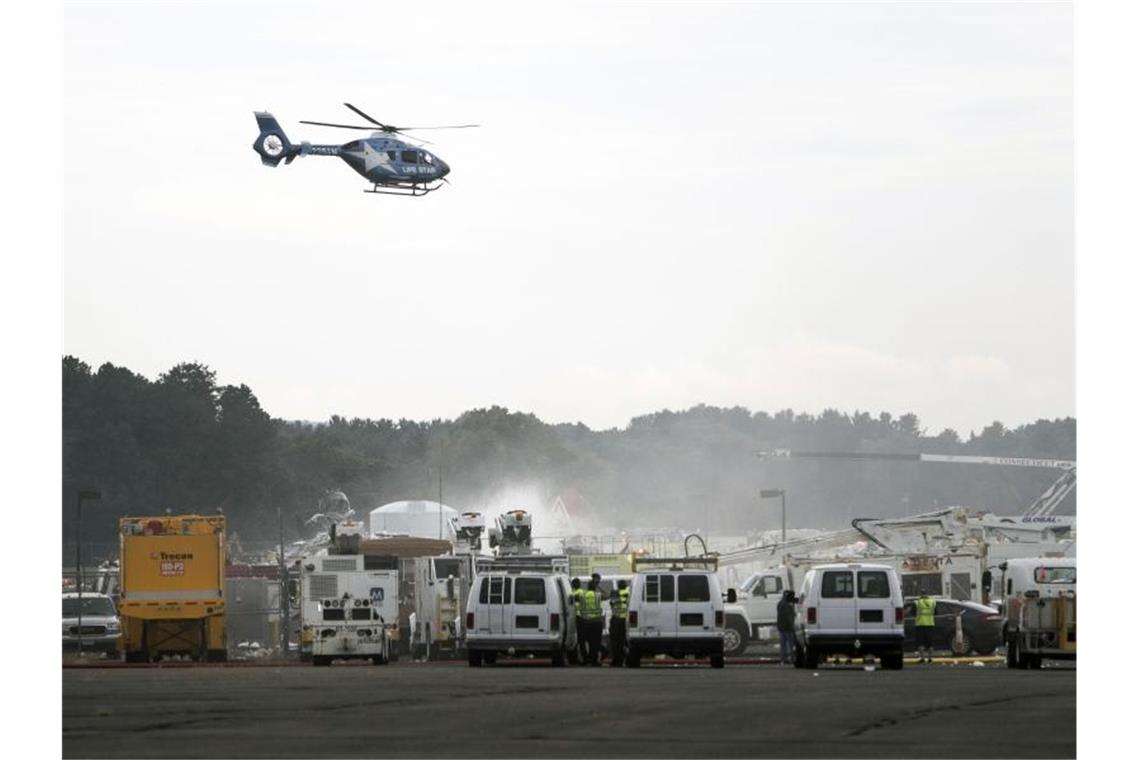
{"x":92,"y":496}
{"x":771,"y":493}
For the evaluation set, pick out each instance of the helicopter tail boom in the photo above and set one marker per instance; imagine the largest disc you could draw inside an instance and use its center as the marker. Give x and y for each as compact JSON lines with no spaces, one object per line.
{"x":272,"y":144}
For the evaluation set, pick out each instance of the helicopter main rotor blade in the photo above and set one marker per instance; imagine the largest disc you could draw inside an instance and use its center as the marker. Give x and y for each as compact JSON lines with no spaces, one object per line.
{"x":340,"y":126}
{"x":366,"y":117}
{"x":453,"y":126}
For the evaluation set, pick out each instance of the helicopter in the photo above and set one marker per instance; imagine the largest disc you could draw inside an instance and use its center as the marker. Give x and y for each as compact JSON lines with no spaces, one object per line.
{"x":393,"y":166}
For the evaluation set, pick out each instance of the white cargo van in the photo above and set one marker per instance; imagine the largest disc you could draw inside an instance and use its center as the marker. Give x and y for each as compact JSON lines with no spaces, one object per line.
{"x":520,"y":613}
{"x":676,"y":609}
{"x":854,"y":609}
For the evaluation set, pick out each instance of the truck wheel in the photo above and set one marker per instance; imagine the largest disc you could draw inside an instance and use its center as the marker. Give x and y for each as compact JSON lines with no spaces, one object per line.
{"x":811,"y":658}
{"x":633,"y":658}
{"x":322,"y":661}
{"x":558,"y":657}
{"x":735,"y":637}
{"x":892,"y":661}
{"x":717,"y":661}
{"x":490,"y":657}
{"x":1033,"y":662}
{"x":474,"y":658}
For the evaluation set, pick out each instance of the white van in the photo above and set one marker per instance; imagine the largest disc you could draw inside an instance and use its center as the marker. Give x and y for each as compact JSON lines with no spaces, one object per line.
{"x":520,"y":613}
{"x":854,"y":609}
{"x":676,"y":610}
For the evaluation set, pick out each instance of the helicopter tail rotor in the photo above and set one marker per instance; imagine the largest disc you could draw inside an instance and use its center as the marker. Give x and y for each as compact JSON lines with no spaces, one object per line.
{"x":272,"y":144}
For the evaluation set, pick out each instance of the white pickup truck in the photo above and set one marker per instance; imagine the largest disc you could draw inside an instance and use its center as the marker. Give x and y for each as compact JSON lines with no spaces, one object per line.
{"x":753,"y":617}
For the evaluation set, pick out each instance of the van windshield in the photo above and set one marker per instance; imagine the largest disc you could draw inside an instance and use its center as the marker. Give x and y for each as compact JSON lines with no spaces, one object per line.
{"x":1055,"y":575}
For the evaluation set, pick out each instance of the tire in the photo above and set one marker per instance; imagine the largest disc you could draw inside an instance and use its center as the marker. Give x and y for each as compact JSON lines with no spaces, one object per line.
{"x":474,"y":658}
{"x":633,"y":658}
{"x":490,"y":657}
{"x":798,"y":656}
{"x":1033,"y":662}
{"x":379,"y":659}
{"x":811,"y":658}
{"x":321,"y":661}
{"x":984,"y":651}
{"x":717,"y":661}
{"x":892,"y":661}
{"x":735,"y":637}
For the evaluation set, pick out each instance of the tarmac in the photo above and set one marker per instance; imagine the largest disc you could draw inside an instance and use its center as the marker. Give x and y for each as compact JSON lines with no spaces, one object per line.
{"x":446,"y":709}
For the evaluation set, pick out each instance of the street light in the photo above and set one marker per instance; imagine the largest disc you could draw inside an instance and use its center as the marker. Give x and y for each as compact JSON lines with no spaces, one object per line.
{"x":91,"y":496}
{"x":771,"y":493}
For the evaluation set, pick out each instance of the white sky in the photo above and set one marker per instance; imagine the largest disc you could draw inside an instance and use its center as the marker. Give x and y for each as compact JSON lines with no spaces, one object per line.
{"x":775,"y":205}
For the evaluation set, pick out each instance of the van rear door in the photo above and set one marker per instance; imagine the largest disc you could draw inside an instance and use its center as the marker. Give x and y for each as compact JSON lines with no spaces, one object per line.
{"x":694,"y":610}
{"x":528,"y":614}
{"x":659,"y":605}
{"x":875,"y":611}
{"x":494,"y":605}
{"x":837,"y":601}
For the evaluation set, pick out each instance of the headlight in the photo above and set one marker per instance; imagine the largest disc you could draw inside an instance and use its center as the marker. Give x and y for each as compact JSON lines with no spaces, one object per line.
{"x":113,"y":626}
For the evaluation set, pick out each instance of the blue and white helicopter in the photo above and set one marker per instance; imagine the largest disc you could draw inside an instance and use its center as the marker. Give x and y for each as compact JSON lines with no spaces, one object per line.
{"x":393,"y":166}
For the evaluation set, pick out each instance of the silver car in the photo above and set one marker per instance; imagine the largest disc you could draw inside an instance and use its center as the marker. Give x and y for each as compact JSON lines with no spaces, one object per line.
{"x":100,"y":623}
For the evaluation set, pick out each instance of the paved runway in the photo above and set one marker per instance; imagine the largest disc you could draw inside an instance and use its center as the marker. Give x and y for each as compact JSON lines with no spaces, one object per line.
{"x":450,"y":710}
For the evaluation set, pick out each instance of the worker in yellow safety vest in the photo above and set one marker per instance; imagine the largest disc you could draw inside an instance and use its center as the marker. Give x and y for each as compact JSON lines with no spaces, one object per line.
{"x":924,"y":626}
{"x":592,"y":622}
{"x":619,"y":610}
{"x":576,"y":592}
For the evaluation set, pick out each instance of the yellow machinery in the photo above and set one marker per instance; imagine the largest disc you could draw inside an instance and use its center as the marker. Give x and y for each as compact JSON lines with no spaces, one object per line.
{"x":172,"y":587}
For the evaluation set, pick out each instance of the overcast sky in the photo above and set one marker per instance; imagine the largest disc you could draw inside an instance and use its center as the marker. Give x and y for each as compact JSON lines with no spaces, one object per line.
{"x":858,"y":206}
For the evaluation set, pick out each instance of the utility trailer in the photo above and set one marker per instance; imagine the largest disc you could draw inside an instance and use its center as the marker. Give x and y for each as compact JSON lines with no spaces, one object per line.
{"x":1040,"y":610}
{"x":172,"y":587}
{"x":347,"y":611}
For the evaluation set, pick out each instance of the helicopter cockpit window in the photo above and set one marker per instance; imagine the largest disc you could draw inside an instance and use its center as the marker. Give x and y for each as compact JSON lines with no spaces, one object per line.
{"x":409,"y":156}
{"x":392,"y":155}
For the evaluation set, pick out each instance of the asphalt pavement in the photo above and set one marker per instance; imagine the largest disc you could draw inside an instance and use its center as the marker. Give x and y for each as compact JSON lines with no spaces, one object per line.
{"x":507,"y":711}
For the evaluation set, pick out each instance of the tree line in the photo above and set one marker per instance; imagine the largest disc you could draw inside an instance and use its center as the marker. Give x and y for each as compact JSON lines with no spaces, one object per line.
{"x":185,"y":443}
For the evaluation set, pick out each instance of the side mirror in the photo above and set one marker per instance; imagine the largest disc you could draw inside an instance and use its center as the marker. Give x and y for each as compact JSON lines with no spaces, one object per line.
{"x":731,"y":596}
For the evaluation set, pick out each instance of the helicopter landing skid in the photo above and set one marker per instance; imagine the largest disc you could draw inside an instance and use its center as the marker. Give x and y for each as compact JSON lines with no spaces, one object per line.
{"x":412,"y":191}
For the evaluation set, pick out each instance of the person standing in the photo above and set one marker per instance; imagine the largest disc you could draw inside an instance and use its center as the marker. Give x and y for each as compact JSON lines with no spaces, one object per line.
{"x":592,"y":621}
{"x":924,"y":626}
{"x":576,"y":591}
{"x":786,"y":625}
{"x":597,"y":580}
{"x":619,"y":607}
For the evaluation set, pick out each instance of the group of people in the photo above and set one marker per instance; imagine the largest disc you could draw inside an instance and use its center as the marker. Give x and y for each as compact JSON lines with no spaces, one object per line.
{"x":589,"y":617}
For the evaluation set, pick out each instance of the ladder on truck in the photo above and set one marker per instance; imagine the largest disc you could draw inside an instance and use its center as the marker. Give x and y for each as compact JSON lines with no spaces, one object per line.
{"x":676,"y":563}
{"x":519,"y":563}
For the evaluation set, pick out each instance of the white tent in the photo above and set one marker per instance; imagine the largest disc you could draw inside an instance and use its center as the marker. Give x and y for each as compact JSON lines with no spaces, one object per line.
{"x":425,"y":519}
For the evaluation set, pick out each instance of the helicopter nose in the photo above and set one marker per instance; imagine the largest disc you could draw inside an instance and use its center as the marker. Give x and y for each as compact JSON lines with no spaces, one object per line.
{"x":444,"y":169}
